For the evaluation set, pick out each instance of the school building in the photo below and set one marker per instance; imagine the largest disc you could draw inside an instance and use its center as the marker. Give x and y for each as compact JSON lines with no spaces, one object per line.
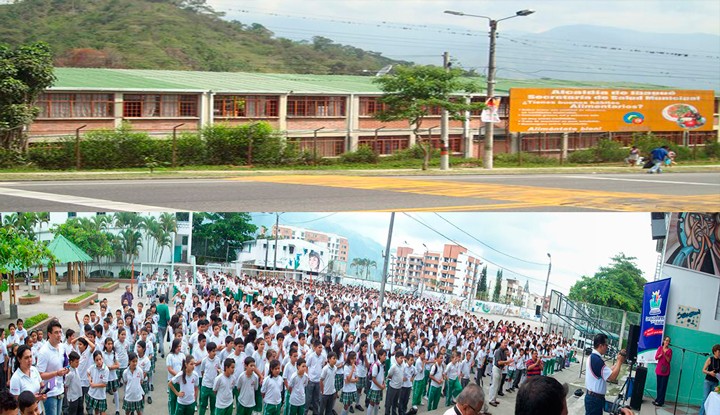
{"x":327,"y":114}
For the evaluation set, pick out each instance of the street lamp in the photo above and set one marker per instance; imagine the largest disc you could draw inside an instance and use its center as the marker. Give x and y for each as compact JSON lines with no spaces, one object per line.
{"x":489,"y":126}
{"x":547,"y":280}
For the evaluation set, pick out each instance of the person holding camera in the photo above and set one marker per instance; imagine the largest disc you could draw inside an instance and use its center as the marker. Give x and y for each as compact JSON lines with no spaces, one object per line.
{"x":598,"y":374}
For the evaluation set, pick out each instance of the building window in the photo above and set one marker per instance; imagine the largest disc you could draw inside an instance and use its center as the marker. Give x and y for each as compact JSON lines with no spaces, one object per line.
{"x":369,"y":106}
{"x":140,"y":106}
{"x":72,"y":215}
{"x":316,"y":107}
{"x":229,"y":106}
{"x":75,"y":105}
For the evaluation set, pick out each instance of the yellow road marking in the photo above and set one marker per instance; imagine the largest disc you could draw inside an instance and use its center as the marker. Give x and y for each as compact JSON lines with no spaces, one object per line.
{"x":515,"y":196}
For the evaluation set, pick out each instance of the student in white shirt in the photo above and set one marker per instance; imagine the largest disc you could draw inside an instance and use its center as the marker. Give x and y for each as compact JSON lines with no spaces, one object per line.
{"x":98,"y":377}
{"x":223,"y":388}
{"x":73,"y":387}
{"x":188,"y":382}
{"x":350,"y":379}
{"x":296,"y":386}
{"x":247,"y":383}
{"x":272,"y":390}
{"x":133,"y":378}
{"x":327,"y":385}
{"x":208,"y":371}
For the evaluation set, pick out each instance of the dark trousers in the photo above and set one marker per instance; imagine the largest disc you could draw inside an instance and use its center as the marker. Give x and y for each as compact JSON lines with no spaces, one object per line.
{"x":327,"y":402}
{"x":662,"y":383}
{"x":404,"y":399}
{"x":3,"y":377}
{"x":464,"y":382}
{"x":502,"y":382}
{"x":518,"y":376}
{"x":392,"y":400}
{"x":312,"y":397}
{"x":594,"y":405}
{"x":75,"y":407}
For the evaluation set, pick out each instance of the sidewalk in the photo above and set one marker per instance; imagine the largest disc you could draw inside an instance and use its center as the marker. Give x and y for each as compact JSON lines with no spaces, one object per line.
{"x":53,"y":306}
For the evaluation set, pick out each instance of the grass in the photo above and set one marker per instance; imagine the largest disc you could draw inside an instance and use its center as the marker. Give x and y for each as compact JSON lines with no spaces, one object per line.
{"x":108,"y":284}
{"x":80,"y":297}
{"x":29,"y":295}
{"x":31,"y":321}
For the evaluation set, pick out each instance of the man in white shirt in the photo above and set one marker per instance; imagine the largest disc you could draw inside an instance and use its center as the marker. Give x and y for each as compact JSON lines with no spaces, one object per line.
{"x":597,"y":375}
{"x":51,"y":365}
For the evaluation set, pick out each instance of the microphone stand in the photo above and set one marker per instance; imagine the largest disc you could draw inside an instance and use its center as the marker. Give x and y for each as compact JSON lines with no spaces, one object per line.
{"x":682,"y":361}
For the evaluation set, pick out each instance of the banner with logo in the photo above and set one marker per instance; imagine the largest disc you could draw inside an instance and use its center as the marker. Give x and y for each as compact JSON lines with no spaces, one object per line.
{"x":569,"y":110}
{"x":490,"y":112}
{"x":652,"y":320}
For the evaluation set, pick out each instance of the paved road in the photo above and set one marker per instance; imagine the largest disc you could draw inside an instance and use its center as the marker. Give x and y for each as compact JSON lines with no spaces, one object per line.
{"x":537,"y":192}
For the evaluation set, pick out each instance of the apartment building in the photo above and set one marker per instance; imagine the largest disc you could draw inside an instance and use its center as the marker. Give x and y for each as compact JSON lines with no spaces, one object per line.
{"x":336,"y":246}
{"x":450,"y":271}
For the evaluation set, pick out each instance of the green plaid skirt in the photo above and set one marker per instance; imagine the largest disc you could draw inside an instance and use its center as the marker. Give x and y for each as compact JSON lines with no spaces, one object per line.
{"x":348,"y":398}
{"x":129,"y":406}
{"x":145,"y":386}
{"x":374,"y":396}
{"x":362,"y":383}
{"x":97,"y":404}
{"x":112,"y":386}
{"x":339,"y":381}
{"x":119,"y":373}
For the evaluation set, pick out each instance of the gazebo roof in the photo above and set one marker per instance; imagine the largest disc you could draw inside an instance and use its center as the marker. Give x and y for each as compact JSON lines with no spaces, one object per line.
{"x":66,"y":251}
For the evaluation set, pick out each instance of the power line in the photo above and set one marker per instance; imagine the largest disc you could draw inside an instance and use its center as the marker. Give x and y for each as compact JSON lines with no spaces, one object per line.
{"x":478,"y":255}
{"x":485,"y":244}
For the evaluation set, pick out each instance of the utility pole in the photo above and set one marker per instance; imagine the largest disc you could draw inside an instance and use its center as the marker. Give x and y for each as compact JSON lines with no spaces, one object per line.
{"x":277,"y":230}
{"x":385,"y":263}
{"x":489,"y":126}
{"x":547,"y":280}
{"x":445,"y":125}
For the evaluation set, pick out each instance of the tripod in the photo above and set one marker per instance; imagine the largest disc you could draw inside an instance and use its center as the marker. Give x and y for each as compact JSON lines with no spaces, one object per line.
{"x":682,"y":362}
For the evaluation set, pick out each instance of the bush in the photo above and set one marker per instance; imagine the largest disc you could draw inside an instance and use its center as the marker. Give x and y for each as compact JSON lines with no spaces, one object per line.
{"x":191,"y":149}
{"x":35,"y":319}
{"x":364,"y":154}
{"x":56,"y":156}
{"x":582,"y":156}
{"x":524,"y":158}
{"x":610,"y":151}
{"x":10,"y":158}
{"x":415,"y":152}
{"x":124,"y":274}
{"x":80,"y":297}
{"x":712,"y":148}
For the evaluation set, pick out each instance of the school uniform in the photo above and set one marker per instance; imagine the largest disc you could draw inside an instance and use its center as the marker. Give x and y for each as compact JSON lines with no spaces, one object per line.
{"x":209,"y":370}
{"x":436,"y":371}
{"x":271,"y":390}
{"x":419,"y":383}
{"x":297,"y":385}
{"x":223,"y":388}
{"x":395,"y":378}
{"x":408,"y":374}
{"x":97,"y":395}
{"x":329,"y":389}
{"x":186,"y":403}
{"x":74,"y":392}
{"x":133,"y":399}
{"x":246,"y":386}
{"x":349,"y":389}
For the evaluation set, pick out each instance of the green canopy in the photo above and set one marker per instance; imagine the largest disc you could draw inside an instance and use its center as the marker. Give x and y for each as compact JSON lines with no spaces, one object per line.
{"x":66,"y":251}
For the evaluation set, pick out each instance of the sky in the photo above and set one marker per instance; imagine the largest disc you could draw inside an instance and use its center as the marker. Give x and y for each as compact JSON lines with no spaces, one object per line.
{"x":579,"y":243}
{"x":589,"y":40}
{"x":669,"y":16}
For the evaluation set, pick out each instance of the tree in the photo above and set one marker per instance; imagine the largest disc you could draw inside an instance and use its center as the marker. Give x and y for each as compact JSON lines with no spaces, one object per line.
{"x":90,"y":235}
{"x":17,"y":251}
{"x":618,"y":285}
{"x":413,"y":93}
{"x":213,"y":232}
{"x":482,"y":287}
{"x":168,"y":223}
{"x":498,"y":284}
{"x":25,"y":72}
{"x":357,"y":263}
{"x":370,"y":264}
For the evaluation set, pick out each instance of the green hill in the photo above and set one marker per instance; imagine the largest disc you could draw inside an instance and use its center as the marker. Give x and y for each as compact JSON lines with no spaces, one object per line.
{"x":170,"y":34}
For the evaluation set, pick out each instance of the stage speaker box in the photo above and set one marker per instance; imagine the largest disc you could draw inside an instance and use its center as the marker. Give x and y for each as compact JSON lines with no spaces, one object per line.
{"x":632,"y":343}
{"x":537,"y":310}
{"x":638,"y":388}
{"x":658,"y":225}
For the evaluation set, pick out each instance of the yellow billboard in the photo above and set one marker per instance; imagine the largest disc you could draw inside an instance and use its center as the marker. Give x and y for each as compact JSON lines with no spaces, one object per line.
{"x":561,"y":110}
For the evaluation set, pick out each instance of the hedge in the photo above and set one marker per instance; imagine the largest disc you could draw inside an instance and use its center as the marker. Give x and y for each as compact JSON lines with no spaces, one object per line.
{"x":108,"y":284}
{"x":80,"y":297}
{"x":123,"y":148}
{"x":35,"y":319}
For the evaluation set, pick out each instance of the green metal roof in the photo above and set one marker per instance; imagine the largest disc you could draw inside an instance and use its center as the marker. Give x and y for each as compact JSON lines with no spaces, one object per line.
{"x":66,"y":251}
{"x":244,"y":82}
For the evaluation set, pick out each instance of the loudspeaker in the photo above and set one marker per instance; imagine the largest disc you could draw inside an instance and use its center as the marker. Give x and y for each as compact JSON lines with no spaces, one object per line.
{"x":658,"y":225}
{"x":638,"y":388}
{"x":537,"y":310}
{"x":632,"y":343}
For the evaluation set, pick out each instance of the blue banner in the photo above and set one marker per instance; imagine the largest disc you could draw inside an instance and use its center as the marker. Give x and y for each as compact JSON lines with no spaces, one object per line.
{"x":652,"y":320}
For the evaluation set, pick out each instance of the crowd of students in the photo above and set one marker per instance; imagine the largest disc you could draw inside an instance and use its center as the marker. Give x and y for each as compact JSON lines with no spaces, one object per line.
{"x":241,"y":344}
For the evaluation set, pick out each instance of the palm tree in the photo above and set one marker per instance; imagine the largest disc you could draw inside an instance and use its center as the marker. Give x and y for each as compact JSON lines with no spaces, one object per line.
{"x":131,"y":242}
{"x":369,"y":264}
{"x":168,"y":222}
{"x":152,"y":228}
{"x":127,"y":220}
{"x":356,"y":264}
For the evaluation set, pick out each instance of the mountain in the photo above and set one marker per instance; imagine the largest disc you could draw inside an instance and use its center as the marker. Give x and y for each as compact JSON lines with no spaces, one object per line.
{"x":171,"y":34}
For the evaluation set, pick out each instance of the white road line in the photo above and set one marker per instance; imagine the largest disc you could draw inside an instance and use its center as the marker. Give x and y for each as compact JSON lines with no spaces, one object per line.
{"x":83,"y":201}
{"x":641,"y":180}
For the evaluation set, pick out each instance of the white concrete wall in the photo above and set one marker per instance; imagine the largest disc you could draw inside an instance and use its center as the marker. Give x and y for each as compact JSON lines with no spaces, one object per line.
{"x":694,"y":289}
